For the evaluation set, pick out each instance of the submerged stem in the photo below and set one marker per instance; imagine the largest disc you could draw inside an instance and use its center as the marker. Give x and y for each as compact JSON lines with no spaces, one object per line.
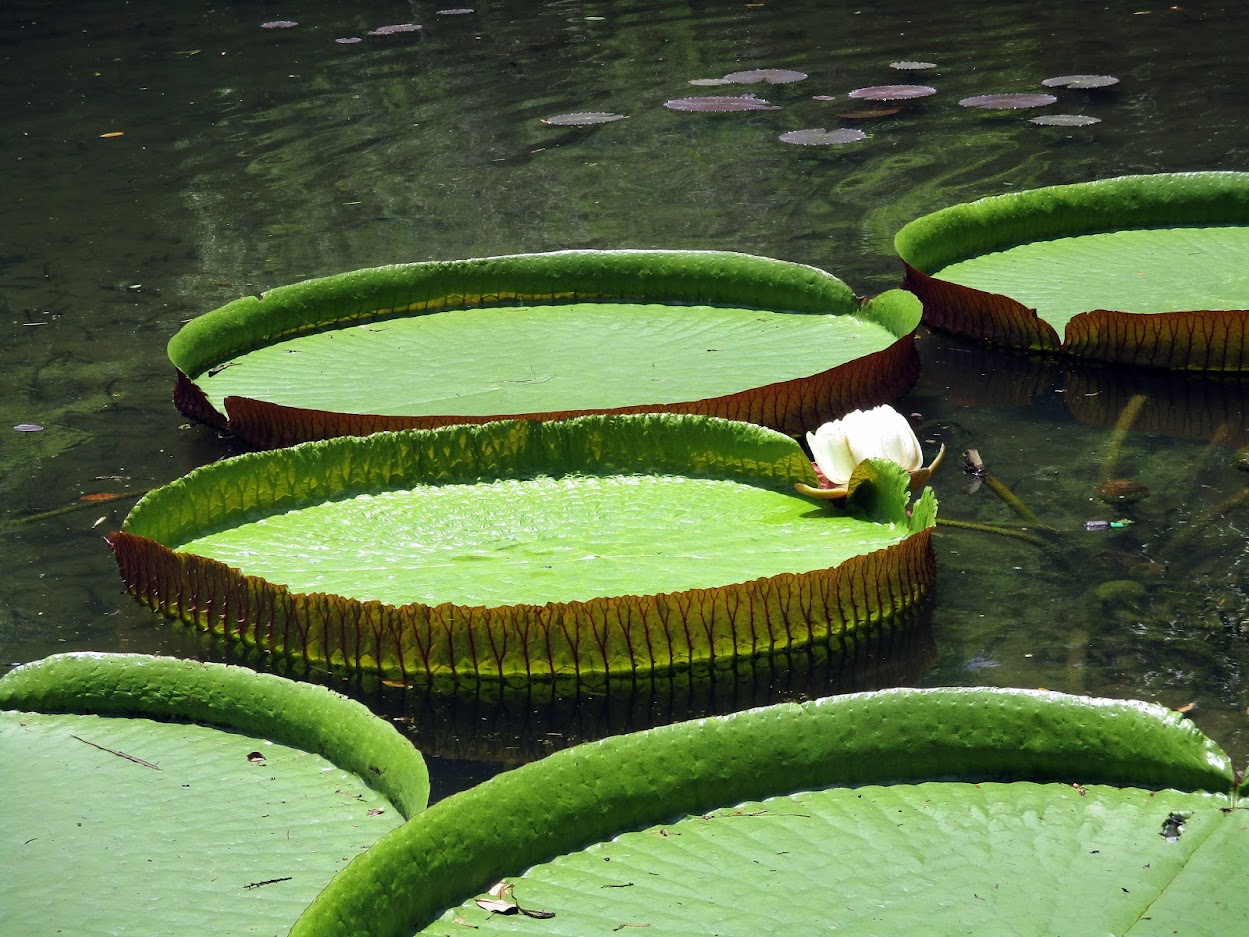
{"x":1204,"y":518}
{"x":1014,"y":503}
{"x":1127,"y":416}
{"x":995,"y":529}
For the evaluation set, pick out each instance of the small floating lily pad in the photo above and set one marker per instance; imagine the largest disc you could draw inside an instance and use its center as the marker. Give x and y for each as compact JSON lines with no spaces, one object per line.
{"x":585,"y":551}
{"x":395,"y":29}
{"x":582,"y":119}
{"x":869,"y":113}
{"x":1064,"y":120}
{"x":279,"y":24}
{"x":893,"y":92}
{"x":818,"y":136}
{"x":149,"y":795}
{"x":968,"y":810}
{"x":713,"y":103}
{"x":708,"y":82}
{"x":1010,"y":102}
{"x":912,"y":66}
{"x":1144,"y":270}
{"x":772,"y":76}
{"x":1086,"y":82}
{"x":544,"y":335}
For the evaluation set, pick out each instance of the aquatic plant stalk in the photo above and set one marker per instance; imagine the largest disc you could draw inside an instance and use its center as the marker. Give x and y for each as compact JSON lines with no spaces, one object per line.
{"x":1015,"y":504}
{"x":995,"y":529}
{"x":1127,"y":416}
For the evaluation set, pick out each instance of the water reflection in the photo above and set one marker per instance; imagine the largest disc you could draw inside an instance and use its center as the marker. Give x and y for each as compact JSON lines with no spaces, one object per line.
{"x":1158,"y":598}
{"x":255,"y":157}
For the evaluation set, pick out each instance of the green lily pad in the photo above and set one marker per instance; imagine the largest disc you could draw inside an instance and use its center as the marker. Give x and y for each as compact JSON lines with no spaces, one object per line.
{"x":927,"y":811}
{"x":545,"y":336}
{"x":1141,"y":270}
{"x":578,"y":550}
{"x":236,"y":812}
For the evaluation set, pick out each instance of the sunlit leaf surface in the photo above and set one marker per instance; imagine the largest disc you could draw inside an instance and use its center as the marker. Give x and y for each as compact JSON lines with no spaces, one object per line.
{"x":891,"y":812}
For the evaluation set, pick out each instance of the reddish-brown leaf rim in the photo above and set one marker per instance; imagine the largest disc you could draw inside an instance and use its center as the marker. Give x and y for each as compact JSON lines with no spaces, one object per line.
{"x":589,"y":644}
{"x":869,"y":113}
{"x":791,"y":407}
{"x":1200,"y":340}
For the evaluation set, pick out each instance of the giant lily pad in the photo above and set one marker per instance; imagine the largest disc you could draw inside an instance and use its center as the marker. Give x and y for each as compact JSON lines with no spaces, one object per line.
{"x":544,"y":336}
{"x":1143,"y":270}
{"x":904,"y":811}
{"x":519,"y":551}
{"x":156,"y":796}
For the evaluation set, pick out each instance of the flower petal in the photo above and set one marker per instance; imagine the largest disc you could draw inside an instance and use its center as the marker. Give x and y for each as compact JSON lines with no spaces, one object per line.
{"x":898,"y":440}
{"x":831,"y":452}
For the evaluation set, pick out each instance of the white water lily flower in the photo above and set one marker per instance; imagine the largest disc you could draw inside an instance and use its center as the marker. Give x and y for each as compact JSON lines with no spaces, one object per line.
{"x":880,"y":433}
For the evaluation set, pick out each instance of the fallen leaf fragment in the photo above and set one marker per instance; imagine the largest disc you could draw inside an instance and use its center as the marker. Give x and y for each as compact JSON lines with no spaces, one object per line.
{"x":500,"y":890}
{"x":497,"y":906}
{"x":112,"y":133}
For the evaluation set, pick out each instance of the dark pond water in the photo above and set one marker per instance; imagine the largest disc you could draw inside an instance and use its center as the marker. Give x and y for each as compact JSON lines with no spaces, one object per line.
{"x":161,"y":159}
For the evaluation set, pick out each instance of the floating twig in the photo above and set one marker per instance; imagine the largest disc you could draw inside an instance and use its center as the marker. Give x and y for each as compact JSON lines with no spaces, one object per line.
{"x":268,"y":881}
{"x":68,"y":509}
{"x":113,"y":751}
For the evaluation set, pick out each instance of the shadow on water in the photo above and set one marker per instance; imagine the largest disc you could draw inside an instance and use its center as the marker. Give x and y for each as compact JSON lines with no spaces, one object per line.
{"x":498,"y":727}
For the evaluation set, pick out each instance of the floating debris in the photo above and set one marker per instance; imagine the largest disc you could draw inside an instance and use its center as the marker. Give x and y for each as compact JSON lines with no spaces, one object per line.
{"x":348,"y":40}
{"x":1083,"y":82}
{"x":912,"y":66}
{"x":823,"y":97}
{"x":708,"y":82}
{"x":455,"y":11}
{"x":583,"y":119}
{"x":818,"y":136}
{"x":892,"y":92}
{"x":745,"y":102}
{"x":1107,"y":525}
{"x":1065,"y":120}
{"x":28,"y":427}
{"x":1007,"y":102}
{"x":279,"y":24}
{"x":773,"y":76}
